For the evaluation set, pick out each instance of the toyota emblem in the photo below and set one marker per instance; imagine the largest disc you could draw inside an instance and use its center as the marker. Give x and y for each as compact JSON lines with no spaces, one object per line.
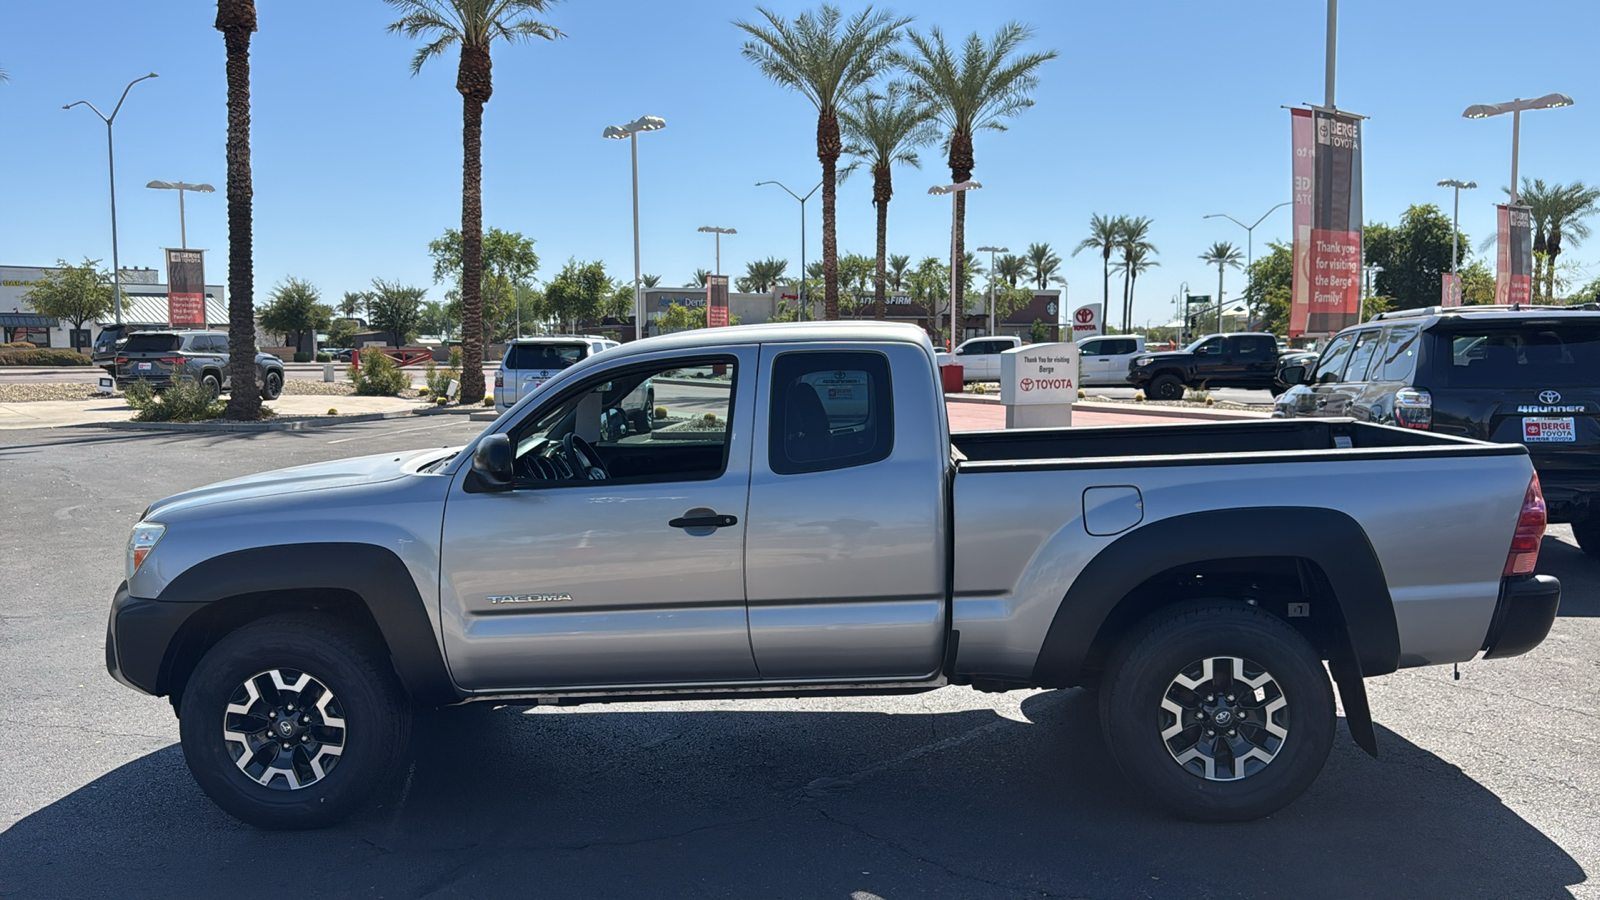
{"x":1549,"y":397}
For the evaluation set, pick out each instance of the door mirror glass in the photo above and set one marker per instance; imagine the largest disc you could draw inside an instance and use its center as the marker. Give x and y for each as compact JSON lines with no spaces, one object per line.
{"x":1295,"y":374}
{"x":492,"y":463}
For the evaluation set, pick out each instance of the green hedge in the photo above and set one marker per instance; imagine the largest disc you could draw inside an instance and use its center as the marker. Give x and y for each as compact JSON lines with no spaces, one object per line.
{"x":43,"y":358}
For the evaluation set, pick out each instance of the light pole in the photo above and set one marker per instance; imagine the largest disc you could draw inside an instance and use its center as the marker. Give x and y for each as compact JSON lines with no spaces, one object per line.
{"x":1515,"y":107}
{"x":180,"y":187}
{"x":1455,"y":219}
{"x":111,"y":168}
{"x":802,"y":313}
{"x":719,"y":232}
{"x":992,"y":251}
{"x":1250,"y":236}
{"x":954,"y":190}
{"x":631,"y":132}
{"x":1370,"y":270}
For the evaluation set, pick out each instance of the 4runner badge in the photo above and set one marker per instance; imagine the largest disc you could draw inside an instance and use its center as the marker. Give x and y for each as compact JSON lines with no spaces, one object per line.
{"x":531,"y":598}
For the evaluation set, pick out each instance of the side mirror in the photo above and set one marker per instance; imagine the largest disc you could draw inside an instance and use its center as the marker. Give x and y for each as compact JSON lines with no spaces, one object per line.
{"x":1292,"y":375}
{"x":492,"y":463}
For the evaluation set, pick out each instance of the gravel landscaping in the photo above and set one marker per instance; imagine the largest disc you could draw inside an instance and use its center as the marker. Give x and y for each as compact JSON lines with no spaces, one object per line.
{"x":23,"y":393}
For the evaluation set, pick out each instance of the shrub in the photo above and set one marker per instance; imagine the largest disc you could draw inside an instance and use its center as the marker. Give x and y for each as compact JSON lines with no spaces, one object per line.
{"x":186,"y":401}
{"x":489,"y":400}
{"x":378,"y":376}
{"x":661,"y":413}
{"x":438,"y":381}
{"x":302,"y":356}
{"x":324,"y":357}
{"x":22,"y":356}
{"x":441,"y":400}
{"x":332,"y":411}
{"x":1083,"y":394}
{"x":17,"y":345}
{"x":455,"y":358}
{"x":1138,"y":396}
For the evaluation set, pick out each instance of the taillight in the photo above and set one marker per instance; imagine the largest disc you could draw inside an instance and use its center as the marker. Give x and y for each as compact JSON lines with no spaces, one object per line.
{"x":122,"y":360}
{"x":172,"y":360}
{"x":1413,"y":409}
{"x":499,"y":379}
{"x":1524,"y":555}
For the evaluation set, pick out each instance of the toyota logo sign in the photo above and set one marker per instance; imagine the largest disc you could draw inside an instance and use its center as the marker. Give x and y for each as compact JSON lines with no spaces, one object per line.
{"x":1084,"y":315}
{"x":1549,"y":397}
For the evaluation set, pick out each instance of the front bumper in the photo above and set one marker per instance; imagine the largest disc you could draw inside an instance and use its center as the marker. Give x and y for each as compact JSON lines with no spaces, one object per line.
{"x":139,"y":639}
{"x":1522,"y":616}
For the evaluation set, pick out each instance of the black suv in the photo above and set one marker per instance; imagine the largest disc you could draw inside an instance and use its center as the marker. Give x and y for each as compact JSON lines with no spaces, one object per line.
{"x":1245,"y":360}
{"x":1517,"y":375}
{"x":162,"y":357}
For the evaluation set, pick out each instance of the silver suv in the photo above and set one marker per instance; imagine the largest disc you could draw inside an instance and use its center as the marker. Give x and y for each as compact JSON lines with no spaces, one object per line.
{"x":530,"y":362}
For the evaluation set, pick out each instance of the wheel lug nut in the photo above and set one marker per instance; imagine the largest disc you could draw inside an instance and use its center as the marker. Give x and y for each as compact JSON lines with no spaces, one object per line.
{"x":1231,"y":732}
{"x":1230,"y":700}
{"x":1211,"y":731}
{"x":291,"y":706}
{"x":273,"y":714}
{"x":304,"y":738}
{"x":1210,"y":698}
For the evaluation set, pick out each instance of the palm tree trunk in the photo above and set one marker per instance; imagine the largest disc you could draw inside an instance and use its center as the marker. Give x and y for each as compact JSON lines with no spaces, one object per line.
{"x":1552,"y":249}
{"x":474,"y":83}
{"x":882,"y":190}
{"x":1124,"y":299}
{"x":829,"y":147}
{"x":236,"y":19}
{"x":1105,"y":303}
{"x":1133,"y":285}
{"x":961,"y":165}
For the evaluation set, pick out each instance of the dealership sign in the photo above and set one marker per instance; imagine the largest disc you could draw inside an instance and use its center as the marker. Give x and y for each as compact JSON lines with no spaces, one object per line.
{"x":1086,"y":320}
{"x":186,"y":287}
{"x":1326,"y":290}
{"x":1039,"y":373}
{"x":1513,"y":277}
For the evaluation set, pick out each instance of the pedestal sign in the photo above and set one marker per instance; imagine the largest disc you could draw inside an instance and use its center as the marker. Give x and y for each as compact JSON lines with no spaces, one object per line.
{"x":1038,"y":385}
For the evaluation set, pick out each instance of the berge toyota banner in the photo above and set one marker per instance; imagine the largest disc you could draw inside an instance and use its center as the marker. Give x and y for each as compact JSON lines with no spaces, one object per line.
{"x":1450,"y":290}
{"x":1513,"y":277}
{"x":1326,"y":292}
{"x":186,"y":287}
{"x":716,"y":301}
{"x":1086,"y":321}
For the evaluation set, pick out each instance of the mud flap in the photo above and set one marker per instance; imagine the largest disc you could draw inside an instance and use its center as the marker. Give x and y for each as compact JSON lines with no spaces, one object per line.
{"x":1353,"y":694}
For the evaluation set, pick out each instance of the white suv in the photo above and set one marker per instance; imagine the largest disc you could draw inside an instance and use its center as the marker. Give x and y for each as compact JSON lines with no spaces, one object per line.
{"x":530,"y":362}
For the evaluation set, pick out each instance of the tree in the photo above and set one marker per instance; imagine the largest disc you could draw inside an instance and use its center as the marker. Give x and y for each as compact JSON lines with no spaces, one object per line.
{"x":509,"y":263}
{"x":855,"y":274}
{"x":434,"y":318}
{"x":1271,"y":283}
{"x":1558,"y":211}
{"x":929,"y":285}
{"x":988,"y":84}
{"x":649,"y":281}
{"x":899,"y":265}
{"x":699,"y":279}
{"x":76,"y":294}
{"x":1136,"y":247}
{"x":1223,"y":255}
{"x":579,"y":293}
{"x":236,"y":19}
{"x":1414,"y":255}
{"x":342,"y":333}
{"x":353,"y":303}
{"x":1012,"y":268}
{"x":827,"y":60}
{"x":397,"y":309}
{"x":761,"y":276}
{"x":1043,"y":263}
{"x":295,"y":309}
{"x":885,"y":129}
{"x":1105,"y":235}
{"x":1477,"y":284}
{"x":474,"y":25}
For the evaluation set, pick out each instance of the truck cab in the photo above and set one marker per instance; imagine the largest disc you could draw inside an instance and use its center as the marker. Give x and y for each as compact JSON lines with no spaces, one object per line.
{"x":1103,"y":360}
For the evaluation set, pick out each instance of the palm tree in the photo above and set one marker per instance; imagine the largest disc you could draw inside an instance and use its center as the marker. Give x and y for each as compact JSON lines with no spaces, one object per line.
{"x":827,"y":65}
{"x":236,"y":19}
{"x":988,"y":84}
{"x":1105,"y":235}
{"x":474,"y":25}
{"x":1135,"y":262}
{"x":1043,"y":263}
{"x":899,"y":265}
{"x":1134,"y":243}
{"x":762,"y":275}
{"x":649,"y":281}
{"x":884,"y":129}
{"x":1221,"y":254}
{"x":4,"y":76}
{"x":1011,"y":269}
{"x":1558,"y":211}
{"x":699,"y":280}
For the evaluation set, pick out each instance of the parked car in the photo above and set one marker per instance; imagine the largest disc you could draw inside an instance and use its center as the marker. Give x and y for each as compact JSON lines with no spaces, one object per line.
{"x":979,"y":358}
{"x":1525,"y":375}
{"x":1245,"y":360}
{"x":342,"y":354}
{"x":1104,"y":361}
{"x":162,"y":358}
{"x":800,"y":527}
{"x":110,"y":339}
{"x":530,"y":362}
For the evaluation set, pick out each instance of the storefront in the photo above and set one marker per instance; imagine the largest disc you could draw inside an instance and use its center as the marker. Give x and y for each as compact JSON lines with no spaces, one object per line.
{"x":36,"y":330}
{"x":144,"y":302}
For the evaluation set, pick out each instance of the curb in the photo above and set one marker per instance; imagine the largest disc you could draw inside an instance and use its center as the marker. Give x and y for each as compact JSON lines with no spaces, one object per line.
{"x":301,"y":424}
{"x":1136,"y":409}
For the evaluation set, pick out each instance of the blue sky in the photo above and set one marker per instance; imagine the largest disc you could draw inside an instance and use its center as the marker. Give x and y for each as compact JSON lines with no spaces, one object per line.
{"x":1167,"y":109}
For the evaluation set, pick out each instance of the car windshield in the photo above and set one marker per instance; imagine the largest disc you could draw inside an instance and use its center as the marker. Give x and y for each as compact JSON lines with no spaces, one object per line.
{"x":1523,"y":356}
{"x":543,"y":355}
{"x":151,"y":343}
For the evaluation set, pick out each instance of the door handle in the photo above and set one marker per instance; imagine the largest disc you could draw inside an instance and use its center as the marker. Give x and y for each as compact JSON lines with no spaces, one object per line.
{"x":712,"y":520}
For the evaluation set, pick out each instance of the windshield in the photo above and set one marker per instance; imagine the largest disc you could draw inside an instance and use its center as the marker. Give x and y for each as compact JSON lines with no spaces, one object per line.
{"x":1526,"y":356}
{"x":1194,"y":346}
{"x":151,"y":343}
{"x":543,"y":356}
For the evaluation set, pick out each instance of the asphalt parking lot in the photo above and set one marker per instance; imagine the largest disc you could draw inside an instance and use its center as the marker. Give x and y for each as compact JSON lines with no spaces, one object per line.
{"x":1487,"y":787}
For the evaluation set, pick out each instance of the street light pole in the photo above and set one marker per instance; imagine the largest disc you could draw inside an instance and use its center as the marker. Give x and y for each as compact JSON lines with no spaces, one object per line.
{"x":1250,"y":233}
{"x":801,"y":314}
{"x":954,"y":190}
{"x":1455,"y":219}
{"x":719,"y":232}
{"x":111,"y":168}
{"x":180,"y":187}
{"x":992,"y":275}
{"x":631,"y":132}
{"x":1516,"y":108}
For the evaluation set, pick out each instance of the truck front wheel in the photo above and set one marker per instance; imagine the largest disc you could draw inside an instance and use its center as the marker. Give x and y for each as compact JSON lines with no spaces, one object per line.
{"x":290,"y":723}
{"x":1219,"y":711}
{"x":1166,"y":387}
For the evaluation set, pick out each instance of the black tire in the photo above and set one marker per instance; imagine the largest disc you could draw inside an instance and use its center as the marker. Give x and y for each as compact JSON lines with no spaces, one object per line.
{"x":211,"y":385}
{"x":1587,"y":534}
{"x":1166,"y":387}
{"x":1144,"y":672}
{"x":368,"y":700}
{"x":272,"y":385}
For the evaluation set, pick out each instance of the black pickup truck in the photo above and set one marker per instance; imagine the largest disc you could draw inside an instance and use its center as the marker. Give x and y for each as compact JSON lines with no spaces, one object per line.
{"x":1246,"y":360}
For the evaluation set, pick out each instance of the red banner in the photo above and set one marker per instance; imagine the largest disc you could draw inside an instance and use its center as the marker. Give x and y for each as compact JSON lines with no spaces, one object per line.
{"x":1450,"y":290}
{"x":1326,"y":293}
{"x":716,"y":301}
{"x":186,"y":287}
{"x":1513,"y":277}
{"x":1304,"y":170}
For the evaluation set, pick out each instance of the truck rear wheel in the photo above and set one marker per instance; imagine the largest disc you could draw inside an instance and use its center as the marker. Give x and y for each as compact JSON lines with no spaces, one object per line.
{"x":288,"y":723}
{"x":1219,"y":711}
{"x":1587,"y":534}
{"x":1166,"y":387}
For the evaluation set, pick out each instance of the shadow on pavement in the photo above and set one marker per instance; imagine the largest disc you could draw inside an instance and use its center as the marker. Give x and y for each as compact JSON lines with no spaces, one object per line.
{"x":753,"y":804}
{"x":1579,"y":574}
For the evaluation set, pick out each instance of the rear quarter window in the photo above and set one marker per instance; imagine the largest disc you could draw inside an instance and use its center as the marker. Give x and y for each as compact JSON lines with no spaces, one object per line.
{"x":829,"y":410}
{"x":1529,"y":356}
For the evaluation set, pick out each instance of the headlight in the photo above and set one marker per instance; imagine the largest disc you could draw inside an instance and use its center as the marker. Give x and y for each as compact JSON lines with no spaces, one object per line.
{"x":145,"y":537}
{"x":1142,"y":361}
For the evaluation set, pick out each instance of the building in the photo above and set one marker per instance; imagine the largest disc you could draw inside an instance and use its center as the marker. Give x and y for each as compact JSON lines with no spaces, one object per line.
{"x":144,"y":302}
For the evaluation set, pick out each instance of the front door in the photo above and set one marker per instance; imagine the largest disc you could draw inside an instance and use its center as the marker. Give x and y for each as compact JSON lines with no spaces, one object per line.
{"x":618,"y":559}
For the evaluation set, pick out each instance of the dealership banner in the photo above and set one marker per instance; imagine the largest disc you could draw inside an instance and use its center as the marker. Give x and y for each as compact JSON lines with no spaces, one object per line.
{"x":716,"y":301}
{"x":1326,"y":290}
{"x":186,"y":287}
{"x":1450,"y":290}
{"x":1086,"y":320}
{"x":1513,"y":277}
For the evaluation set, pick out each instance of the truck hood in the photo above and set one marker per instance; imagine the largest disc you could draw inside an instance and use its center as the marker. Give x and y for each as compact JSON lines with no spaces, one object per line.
{"x":357,"y":471}
{"x":1160,"y":355}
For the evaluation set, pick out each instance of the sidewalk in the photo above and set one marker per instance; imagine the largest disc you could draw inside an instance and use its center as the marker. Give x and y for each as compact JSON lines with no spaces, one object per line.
{"x":1130,"y":410}
{"x":71,"y":413}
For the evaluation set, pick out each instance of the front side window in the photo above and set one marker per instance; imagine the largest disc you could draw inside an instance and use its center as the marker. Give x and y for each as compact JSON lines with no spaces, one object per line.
{"x":829,"y":410}
{"x":1212,"y":346}
{"x":1330,"y":367}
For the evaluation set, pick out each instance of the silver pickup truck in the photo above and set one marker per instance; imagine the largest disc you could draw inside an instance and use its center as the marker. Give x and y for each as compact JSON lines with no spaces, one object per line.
{"x":795,"y":519}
